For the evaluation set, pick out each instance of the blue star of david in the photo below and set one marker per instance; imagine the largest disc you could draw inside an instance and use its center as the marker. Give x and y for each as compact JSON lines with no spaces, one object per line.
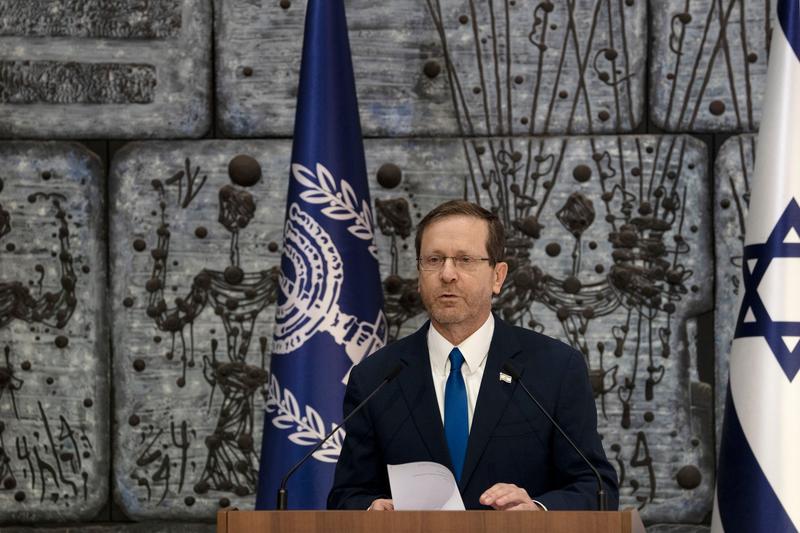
{"x":763,"y":326}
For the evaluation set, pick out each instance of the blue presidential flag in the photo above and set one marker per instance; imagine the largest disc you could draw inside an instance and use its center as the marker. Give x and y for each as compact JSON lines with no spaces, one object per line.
{"x":330,"y":304}
{"x":758,"y":485}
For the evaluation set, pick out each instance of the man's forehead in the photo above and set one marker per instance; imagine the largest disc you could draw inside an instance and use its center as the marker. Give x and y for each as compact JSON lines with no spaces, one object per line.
{"x":457,"y":230}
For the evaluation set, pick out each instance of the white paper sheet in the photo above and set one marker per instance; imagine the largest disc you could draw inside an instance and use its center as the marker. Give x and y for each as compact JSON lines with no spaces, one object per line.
{"x":424,"y":486}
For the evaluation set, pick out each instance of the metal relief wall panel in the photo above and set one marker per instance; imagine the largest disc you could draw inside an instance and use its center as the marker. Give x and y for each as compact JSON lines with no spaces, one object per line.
{"x":93,"y":68}
{"x":607,"y":253}
{"x":709,"y":63}
{"x":445,"y":67}
{"x":259,"y":47}
{"x":197,"y":231}
{"x":54,"y":419}
{"x":610,"y":236}
{"x":733,"y":175}
{"x":544,"y":67}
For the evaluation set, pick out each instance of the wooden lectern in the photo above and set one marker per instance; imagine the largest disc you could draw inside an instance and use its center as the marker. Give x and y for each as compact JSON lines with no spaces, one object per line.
{"x":233,"y":521}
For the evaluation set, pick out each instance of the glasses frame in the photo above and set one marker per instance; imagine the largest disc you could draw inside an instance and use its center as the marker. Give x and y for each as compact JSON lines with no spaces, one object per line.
{"x":456,"y":262}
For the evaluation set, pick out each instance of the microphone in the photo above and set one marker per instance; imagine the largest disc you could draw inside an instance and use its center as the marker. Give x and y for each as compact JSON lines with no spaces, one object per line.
{"x":602,"y":503}
{"x":283,"y":494}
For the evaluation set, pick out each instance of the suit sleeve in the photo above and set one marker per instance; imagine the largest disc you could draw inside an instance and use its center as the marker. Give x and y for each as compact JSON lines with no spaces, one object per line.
{"x":360,"y":476}
{"x":577,"y":414}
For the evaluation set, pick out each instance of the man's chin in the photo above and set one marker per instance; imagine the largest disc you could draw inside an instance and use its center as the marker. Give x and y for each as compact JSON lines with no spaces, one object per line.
{"x":450,"y":316}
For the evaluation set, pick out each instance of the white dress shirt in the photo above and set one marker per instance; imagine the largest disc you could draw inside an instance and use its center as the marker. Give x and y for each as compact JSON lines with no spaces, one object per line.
{"x":475,"y":350}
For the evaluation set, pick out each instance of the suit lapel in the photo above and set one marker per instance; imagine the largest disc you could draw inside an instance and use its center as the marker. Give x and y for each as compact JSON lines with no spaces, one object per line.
{"x":416,"y":382}
{"x":492,"y":398}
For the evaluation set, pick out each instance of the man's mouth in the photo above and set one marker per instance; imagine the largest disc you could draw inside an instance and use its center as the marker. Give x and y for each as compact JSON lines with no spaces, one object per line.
{"x":448,"y":296}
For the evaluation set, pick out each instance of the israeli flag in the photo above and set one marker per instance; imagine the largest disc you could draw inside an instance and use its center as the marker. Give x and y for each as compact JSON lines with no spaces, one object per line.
{"x":330,"y":304}
{"x":758,"y":485}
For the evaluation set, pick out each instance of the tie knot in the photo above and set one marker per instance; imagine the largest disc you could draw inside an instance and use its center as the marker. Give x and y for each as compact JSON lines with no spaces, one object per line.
{"x":456,"y":360}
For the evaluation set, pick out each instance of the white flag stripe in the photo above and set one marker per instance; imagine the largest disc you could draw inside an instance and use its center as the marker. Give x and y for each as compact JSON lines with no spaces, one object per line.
{"x":777,"y":169}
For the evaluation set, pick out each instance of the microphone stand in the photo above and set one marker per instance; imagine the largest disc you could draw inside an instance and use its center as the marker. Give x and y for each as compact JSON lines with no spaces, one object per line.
{"x":602,"y":500}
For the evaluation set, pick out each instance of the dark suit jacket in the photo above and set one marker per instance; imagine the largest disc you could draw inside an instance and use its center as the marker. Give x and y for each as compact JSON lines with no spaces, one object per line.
{"x":510,"y":440}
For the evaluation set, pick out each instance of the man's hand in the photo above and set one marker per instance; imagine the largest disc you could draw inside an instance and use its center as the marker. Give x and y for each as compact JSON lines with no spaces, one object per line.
{"x":508,"y":497}
{"x":381,"y":505}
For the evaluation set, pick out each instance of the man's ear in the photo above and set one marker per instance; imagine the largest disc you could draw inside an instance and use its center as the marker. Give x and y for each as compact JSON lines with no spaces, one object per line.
{"x":500,"y":273}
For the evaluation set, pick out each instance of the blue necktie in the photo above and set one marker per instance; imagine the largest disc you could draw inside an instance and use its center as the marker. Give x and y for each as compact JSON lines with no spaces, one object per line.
{"x":456,"y":425}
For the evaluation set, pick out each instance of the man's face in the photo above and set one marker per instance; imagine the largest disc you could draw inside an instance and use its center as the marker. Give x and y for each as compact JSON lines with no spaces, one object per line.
{"x":457,"y":299}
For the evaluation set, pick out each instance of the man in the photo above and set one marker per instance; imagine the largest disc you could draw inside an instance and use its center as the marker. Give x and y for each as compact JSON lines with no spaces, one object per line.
{"x":502,"y":450}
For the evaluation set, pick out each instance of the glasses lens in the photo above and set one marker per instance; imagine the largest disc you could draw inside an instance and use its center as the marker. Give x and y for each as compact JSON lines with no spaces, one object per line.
{"x":431,"y":262}
{"x":466,"y":262}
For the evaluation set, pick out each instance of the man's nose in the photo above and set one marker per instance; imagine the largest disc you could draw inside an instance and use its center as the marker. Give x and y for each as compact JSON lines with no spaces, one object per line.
{"x":449,"y":272}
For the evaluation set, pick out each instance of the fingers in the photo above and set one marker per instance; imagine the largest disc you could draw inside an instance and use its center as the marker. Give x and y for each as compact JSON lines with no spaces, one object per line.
{"x":506,"y":496}
{"x":382,"y":505}
{"x":498,"y":494}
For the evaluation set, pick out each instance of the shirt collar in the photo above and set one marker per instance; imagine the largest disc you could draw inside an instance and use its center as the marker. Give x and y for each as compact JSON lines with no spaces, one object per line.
{"x":474,"y":348}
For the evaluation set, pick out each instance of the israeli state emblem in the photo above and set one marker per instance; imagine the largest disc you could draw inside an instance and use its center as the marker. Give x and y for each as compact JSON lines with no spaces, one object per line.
{"x":312,"y":286}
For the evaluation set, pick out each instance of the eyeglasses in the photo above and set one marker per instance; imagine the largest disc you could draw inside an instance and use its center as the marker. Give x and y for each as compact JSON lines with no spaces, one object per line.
{"x":467,"y":263}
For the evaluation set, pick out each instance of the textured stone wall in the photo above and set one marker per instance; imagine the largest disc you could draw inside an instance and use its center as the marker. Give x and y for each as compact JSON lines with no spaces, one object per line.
{"x":133,"y":372}
{"x":54,"y":381}
{"x":89,"y":69}
{"x":440,"y":67}
{"x":733,"y":175}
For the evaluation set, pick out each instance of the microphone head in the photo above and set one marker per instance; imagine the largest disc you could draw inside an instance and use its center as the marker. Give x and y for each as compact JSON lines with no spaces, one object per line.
{"x":396,"y":369}
{"x":509,"y":369}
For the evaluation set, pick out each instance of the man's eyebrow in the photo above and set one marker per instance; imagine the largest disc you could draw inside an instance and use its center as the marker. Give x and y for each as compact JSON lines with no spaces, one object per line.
{"x":456,"y":254}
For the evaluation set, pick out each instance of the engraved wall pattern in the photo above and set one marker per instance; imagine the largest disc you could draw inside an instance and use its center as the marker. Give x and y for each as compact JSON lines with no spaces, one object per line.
{"x":114,"y":19}
{"x":88,"y":69}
